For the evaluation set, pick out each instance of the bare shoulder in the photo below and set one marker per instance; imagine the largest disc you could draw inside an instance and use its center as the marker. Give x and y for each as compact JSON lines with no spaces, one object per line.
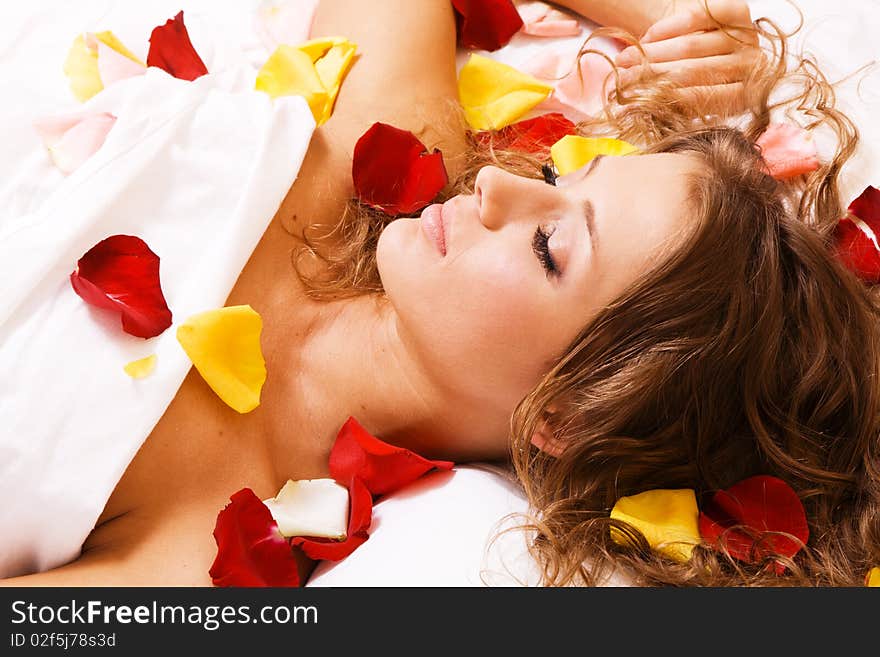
{"x":404,"y":74}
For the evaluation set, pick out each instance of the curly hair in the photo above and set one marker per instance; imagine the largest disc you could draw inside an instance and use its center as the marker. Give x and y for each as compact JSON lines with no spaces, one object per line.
{"x":748,"y":350}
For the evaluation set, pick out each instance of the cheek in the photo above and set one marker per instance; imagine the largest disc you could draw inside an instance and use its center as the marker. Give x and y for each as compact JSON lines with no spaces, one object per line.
{"x":480,"y":323}
{"x":494,"y":299}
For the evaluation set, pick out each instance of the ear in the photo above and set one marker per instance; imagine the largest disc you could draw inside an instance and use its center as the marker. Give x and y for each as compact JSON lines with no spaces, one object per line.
{"x":544,"y":439}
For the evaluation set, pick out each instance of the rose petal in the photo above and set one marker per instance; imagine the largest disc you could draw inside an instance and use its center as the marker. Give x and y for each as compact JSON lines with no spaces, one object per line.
{"x":382,"y":467}
{"x":138,"y":369}
{"x":666,"y":518}
{"x":485,"y":24}
{"x":250,"y":549}
{"x":81,"y":69}
{"x":867,"y":207}
{"x":759,"y":504}
{"x":534,"y":136}
{"x":314,"y":70}
{"x":285,"y":22}
{"x":855,"y":245}
{"x":311,"y":507}
{"x":494,"y":95}
{"x":572,"y":152}
{"x":540,"y":19}
{"x":73,"y":138}
{"x":290,"y":72}
{"x":584,"y":88}
{"x":360,"y":517}
{"x":224,"y":345}
{"x":96,"y":60}
{"x":788,"y":150}
{"x":547,"y":66}
{"x":855,"y":237}
{"x":172,"y":51}
{"x":332,"y":69}
{"x":873,"y":577}
{"x":121,"y":273}
{"x":553,"y":28}
{"x":580,"y":85}
{"x":393,"y":171}
{"x":115,"y":61}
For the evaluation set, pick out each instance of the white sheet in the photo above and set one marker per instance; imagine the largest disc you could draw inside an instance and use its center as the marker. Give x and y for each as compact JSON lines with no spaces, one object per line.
{"x":196,"y":169}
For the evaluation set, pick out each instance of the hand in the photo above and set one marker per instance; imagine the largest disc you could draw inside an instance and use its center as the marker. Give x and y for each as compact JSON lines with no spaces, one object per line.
{"x":687,"y":46}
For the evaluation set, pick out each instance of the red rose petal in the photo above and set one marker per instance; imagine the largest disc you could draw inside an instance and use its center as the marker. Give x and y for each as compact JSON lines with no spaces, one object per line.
{"x":857,"y":251}
{"x":250,"y":549}
{"x":867,"y":207}
{"x":486,"y":24}
{"x":851,"y":243}
{"x":534,"y":136}
{"x":121,"y":273}
{"x":359,"y":518}
{"x":172,"y":51}
{"x":760,"y":504}
{"x":382,"y":467}
{"x":393,"y":172}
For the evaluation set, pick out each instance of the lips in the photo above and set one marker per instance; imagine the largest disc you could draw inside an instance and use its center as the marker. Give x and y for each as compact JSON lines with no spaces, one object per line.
{"x":432,"y":226}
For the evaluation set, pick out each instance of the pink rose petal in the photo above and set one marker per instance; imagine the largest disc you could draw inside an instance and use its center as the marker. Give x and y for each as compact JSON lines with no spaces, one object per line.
{"x":584,"y":90}
{"x":532,"y":12}
{"x":565,"y":28}
{"x":114,"y":66}
{"x":788,"y":150}
{"x":73,"y":138}
{"x":578,"y":93}
{"x":540,"y":19}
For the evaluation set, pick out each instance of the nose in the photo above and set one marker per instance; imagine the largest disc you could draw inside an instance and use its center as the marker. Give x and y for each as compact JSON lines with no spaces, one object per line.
{"x":503,"y":197}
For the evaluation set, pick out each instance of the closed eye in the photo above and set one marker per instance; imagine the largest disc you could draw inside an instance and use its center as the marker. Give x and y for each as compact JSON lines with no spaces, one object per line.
{"x":541,"y":247}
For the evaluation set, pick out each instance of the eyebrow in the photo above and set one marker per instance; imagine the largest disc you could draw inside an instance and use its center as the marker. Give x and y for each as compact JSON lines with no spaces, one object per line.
{"x":589,"y":210}
{"x":590,"y":214}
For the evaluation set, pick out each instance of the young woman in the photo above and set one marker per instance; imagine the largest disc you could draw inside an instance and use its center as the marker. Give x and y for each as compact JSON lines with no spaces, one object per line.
{"x":671,"y":319}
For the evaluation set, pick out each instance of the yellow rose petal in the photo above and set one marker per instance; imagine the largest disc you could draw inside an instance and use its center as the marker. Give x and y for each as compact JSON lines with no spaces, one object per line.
{"x":332,"y":69}
{"x":668,"y":519}
{"x":290,"y":72}
{"x":494,"y":95}
{"x":81,"y":69}
{"x":138,"y":369}
{"x":314,"y":69}
{"x":873,"y":578}
{"x":81,"y":65}
{"x":572,"y":152}
{"x":110,"y":39}
{"x":317,"y":48}
{"x":224,"y":345}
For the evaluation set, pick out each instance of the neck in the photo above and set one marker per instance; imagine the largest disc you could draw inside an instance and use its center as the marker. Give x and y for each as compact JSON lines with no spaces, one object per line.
{"x":353,"y":363}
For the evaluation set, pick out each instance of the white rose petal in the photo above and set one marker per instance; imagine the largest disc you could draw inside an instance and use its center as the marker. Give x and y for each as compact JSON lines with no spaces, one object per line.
{"x":311,"y":507}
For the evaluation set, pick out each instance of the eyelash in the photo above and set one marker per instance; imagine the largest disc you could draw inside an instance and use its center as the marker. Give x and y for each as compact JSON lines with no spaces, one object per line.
{"x":542,"y":249}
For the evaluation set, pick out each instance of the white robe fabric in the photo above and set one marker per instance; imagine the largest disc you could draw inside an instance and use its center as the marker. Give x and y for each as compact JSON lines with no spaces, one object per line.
{"x":195,"y":169}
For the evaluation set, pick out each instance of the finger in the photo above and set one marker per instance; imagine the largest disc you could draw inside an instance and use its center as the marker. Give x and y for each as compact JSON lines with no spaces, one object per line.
{"x":695,"y":20}
{"x":689,"y":46}
{"x":717,"y":69}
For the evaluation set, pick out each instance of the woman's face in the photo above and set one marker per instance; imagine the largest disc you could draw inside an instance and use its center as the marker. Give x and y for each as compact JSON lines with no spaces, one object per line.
{"x":488,"y":301}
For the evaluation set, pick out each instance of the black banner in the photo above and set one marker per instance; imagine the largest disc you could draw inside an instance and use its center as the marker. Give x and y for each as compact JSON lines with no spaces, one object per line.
{"x":422,"y":620}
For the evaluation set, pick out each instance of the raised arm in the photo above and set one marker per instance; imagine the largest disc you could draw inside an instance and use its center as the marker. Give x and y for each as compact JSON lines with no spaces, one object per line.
{"x":635,"y":16}
{"x":682,"y":40}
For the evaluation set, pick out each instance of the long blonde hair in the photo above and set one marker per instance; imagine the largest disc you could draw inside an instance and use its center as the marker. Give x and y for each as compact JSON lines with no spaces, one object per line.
{"x":749,"y":350}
